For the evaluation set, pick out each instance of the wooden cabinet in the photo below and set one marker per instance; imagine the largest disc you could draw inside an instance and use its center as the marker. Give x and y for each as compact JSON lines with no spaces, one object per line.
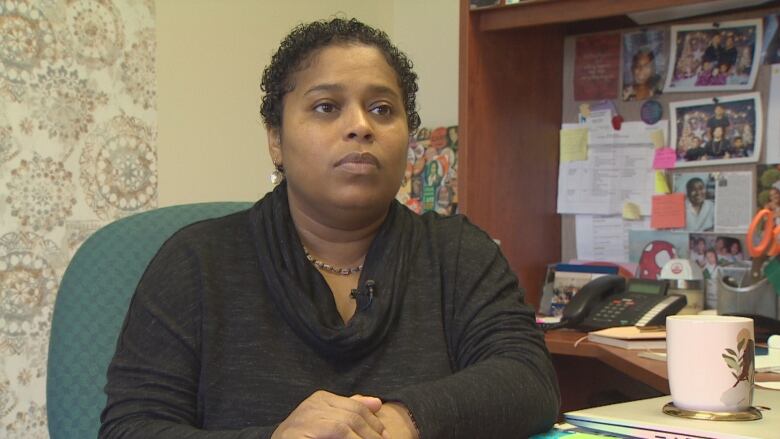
{"x":511,"y":74}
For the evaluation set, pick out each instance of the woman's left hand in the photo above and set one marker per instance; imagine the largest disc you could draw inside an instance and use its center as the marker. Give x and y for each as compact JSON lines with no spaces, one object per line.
{"x":395,"y":417}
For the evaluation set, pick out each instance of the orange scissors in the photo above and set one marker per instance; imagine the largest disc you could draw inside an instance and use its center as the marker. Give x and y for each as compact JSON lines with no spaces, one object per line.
{"x":768,"y":246}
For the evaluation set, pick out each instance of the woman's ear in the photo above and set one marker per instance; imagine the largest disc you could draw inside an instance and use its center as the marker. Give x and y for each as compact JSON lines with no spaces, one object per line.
{"x":275,"y":145}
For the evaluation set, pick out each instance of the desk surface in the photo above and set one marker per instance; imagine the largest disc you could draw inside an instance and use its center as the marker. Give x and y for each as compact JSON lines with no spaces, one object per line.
{"x":645,"y":419}
{"x":650,"y":372}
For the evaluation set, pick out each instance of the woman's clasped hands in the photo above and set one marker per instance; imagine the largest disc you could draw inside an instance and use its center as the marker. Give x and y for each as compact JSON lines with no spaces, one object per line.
{"x":325,"y":415}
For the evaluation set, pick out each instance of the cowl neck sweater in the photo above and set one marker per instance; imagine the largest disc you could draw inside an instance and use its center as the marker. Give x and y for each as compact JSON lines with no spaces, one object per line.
{"x":305,"y":300}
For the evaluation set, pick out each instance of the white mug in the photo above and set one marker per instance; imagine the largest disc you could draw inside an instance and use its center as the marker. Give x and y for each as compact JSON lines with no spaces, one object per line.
{"x":710,"y":361}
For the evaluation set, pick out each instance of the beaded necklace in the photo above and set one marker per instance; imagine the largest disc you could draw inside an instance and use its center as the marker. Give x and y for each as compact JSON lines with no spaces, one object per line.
{"x":346,"y":271}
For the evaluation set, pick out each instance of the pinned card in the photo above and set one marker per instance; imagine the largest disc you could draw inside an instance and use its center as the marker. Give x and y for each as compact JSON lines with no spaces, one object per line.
{"x":664,"y":158}
{"x":585,"y":109}
{"x":574,"y":144}
{"x":596,"y":67}
{"x":661,"y":185}
{"x":631,"y":211}
{"x":668,"y":211}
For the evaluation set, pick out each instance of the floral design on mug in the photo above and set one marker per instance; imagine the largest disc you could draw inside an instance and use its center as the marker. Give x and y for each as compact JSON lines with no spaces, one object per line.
{"x":741,"y":361}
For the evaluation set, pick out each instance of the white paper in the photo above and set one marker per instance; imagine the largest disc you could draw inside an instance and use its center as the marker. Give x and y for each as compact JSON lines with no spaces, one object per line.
{"x":599,"y":124}
{"x":606,"y":180}
{"x":605,"y":238}
{"x":630,"y":133}
{"x":773,"y":129}
{"x":733,"y":210}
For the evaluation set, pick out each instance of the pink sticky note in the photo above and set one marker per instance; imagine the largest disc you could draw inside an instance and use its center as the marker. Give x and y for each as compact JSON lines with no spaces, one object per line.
{"x":664,"y":158}
{"x":668,"y":211}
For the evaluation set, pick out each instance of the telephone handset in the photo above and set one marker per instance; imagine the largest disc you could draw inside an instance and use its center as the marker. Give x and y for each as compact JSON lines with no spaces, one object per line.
{"x":609,"y":301}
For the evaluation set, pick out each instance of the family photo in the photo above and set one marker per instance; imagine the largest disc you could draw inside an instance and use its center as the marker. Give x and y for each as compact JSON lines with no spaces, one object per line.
{"x":719,"y":130}
{"x":714,"y":56}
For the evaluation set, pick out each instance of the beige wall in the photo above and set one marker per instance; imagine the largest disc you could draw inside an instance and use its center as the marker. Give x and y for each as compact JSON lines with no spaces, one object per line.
{"x":428,"y":32}
{"x":210,"y":55}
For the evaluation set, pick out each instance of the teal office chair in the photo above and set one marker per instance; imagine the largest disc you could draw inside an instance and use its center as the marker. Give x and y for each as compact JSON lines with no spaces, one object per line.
{"x":93,"y":298}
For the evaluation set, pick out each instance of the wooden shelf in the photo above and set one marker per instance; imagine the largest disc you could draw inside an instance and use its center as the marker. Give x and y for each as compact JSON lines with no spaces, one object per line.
{"x":510,"y":112}
{"x":544,"y":12}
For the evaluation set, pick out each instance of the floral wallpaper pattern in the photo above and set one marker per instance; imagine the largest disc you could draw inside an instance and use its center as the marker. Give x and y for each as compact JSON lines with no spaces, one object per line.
{"x":78,"y":129}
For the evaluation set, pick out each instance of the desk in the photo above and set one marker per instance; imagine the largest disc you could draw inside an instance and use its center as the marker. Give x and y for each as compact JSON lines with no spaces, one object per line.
{"x":649,"y":372}
{"x":585,"y":382}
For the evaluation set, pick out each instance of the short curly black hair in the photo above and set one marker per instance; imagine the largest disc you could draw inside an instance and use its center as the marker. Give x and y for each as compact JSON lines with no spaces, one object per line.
{"x":305,"y":39}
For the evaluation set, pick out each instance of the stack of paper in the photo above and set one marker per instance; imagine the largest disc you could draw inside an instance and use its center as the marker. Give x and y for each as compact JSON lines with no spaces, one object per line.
{"x":630,"y":337}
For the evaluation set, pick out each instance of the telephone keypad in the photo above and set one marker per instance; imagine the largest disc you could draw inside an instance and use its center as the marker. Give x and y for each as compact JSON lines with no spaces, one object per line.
{"x":623,"y":310}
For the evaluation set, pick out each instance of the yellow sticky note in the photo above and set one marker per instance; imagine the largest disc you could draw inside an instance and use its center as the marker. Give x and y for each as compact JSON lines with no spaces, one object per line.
{"x":657,"y":137}
{"x":574,"y":144}
{"x":631,"y":211}
{"x":661,"y":185}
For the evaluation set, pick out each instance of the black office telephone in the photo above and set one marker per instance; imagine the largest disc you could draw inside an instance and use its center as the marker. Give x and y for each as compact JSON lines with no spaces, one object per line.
{"x":609,"y":301}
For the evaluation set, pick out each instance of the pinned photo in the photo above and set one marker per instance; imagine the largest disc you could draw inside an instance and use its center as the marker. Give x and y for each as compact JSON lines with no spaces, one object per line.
{"x":699,"y":190}
{"x":717,"y":131}
{"x":768,"y":191}
{"x":714,"y":56}
{"x":770,"y":52}
{"x":644,"y":64}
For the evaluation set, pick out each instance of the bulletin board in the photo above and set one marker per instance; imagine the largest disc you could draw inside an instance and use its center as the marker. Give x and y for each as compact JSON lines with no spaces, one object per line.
{"x":631,"y":110}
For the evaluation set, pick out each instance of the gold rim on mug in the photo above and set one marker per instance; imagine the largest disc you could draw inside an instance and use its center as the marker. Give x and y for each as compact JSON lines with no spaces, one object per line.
{"x":751,"y":414}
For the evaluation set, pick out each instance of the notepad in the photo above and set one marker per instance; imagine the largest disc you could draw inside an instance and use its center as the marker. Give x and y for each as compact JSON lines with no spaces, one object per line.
{"x":629,"y":337}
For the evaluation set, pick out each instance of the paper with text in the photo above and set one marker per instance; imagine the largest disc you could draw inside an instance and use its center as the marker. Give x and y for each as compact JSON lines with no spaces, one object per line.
{"x":574,"y":144}
{"x":606,"y":180}
{"x":668,"y":211}
{"x":664,"y":158}
{"x":605,"y":238}
{"x":773,"y":114}
{"x":733,"y":210}
{"x":630,"y":133}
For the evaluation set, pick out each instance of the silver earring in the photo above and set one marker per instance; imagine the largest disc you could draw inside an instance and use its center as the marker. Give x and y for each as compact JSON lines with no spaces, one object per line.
{"x":277,"y":175}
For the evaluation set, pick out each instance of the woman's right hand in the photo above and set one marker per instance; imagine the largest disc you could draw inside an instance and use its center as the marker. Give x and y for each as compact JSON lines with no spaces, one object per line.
{"x":324,"y":415}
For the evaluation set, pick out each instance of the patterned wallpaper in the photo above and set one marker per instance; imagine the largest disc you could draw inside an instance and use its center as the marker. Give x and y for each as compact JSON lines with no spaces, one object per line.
{"x":78,"y":128}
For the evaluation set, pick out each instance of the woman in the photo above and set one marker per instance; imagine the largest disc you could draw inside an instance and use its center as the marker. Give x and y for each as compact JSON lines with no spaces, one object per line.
{"x":699,"y":211}
{"x":328,"y":310}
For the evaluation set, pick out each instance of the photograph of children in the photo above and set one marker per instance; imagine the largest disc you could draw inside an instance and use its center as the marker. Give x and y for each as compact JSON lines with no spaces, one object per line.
{"x":714,"y":56}
{"x":720,"y":131}
{"x":770,"y":52}
{"x":708,"y":250}
{"x":768,"y":190}
{"x":711,"y":252}
{"x":565,"y":286}
{"x":651,"y":250}
{"x":644,"y":63}
{"x":699,"y":190}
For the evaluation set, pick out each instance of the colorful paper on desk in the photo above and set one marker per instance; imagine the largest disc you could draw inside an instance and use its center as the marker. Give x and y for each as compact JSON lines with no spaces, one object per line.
{"x":664,"y":158}
{"x":668,"y":211}
{"x":661,"y":185}
{"x":574,"y":144}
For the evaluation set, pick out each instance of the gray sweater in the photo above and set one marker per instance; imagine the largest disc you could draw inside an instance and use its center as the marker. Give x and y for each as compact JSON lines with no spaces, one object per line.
{"x":210,"y":349}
